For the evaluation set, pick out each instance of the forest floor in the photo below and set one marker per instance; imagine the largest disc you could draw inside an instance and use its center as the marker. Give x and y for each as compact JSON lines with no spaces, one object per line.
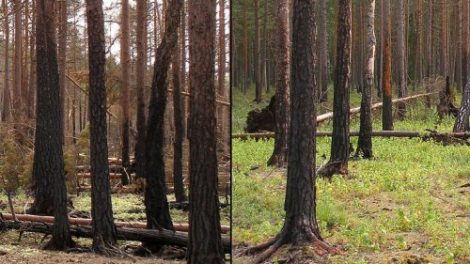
{"x":126,"y":207}
{"x":407,"y":205}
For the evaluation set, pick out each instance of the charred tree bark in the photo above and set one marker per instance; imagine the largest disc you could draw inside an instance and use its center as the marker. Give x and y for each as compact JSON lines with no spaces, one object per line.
{"x":104,"y":230}
{"x":300,"y":225}
{"x":338,"y":162}
{"x":205,"y":244}
{"x":364,"y":145}
{"x":387,"y":113}
{"x":178,"y":108}
{"x":141,"y":46}
{"x":48,"y":164}
{"x":401,"y":53}
{"x":156,"y":204}
{"x":462,"y":123}
{"x":125,"y":61}
{"x":279,"y":156}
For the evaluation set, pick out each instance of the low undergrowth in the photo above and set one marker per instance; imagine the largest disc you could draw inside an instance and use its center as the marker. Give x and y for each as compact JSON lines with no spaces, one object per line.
{"x":406,"y":205}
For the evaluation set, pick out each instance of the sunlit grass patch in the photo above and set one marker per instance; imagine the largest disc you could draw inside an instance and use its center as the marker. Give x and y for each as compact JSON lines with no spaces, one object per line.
{"x":405,"y":203}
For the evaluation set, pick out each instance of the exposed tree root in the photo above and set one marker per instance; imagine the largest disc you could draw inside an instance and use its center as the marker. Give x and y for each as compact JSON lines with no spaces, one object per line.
{"x":266,"y":250}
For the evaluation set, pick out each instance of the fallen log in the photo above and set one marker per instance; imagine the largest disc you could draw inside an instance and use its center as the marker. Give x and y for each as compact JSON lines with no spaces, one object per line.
{"x":264,"y":120}
{"x":87,"y":175}
{"x":86,"y":222}
{"x":357,"y":110}
{"x":162,"y":236}
{"x":398,"y":134}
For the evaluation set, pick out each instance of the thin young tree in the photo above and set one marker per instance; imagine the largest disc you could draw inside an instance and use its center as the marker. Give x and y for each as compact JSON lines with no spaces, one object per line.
{"x":125,"y":61}
{"x":104,"y":230}
{"x":223,"y":111}
{"x":444,"y":63}
{"x":300,"y":224}
{"x":205,"y":243}
{"x":156,"y":203}
{"x":48,"y":164}
{"x":279,"y":156}
{"x":62,"y":49}
{"x":466,"y":40}
{"x":178,"y":109}
{"x":323,"y":51}
{"x":387,"y":112}
{"x":401,"y":53}
{"x":6,"y":108}
{"x":340,"y":150}
{"x":141,"y":62}
{"x":17,"y":62}
{"x":364,"y":144}
{"x":257,"y":64}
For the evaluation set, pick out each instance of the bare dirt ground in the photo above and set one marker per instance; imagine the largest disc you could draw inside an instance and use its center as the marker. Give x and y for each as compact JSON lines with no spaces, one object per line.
{"x":28,"y":251}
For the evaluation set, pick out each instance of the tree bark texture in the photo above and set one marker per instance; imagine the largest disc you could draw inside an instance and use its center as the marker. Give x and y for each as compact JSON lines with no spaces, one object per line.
{"x":48,"y":164}
{"x":401,"y":53}
{"x":178,"y":109}
{"x":387,"y":113}
{"x":338,"y":162}
{"x":125,"y":61}
{"x":156,"y":203}
{"x":104,"y":230}
{"x":279,"y":156}
{"x":462,"y":123}
{"x":205,"y":244}
{"x":141,"y":63}
{"x":364,"y":145}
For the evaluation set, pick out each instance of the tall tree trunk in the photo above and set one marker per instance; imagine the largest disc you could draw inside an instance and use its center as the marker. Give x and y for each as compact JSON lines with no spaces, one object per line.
{"x":279,"y":156}
{"x":465,"y":41}
{"x":429,"y":34}
{"x":420,"y":42}
{"x":17,"y":75}
{"x":156,"y":204}
{"x":300,"y":225}
{"x":256,"y":51}
{"x":387,"y":112}
{"x":178,"y":106}
{"x":104,"y":230}
{"x":264,"y":80}
{"x":323,"y":51}
{"x":364,"y":145}
{"x":48,"y":165}
{"x":205,"y":244}
{"x":141,"y":46}
{"x":32,"y":69}
{"x":6,"y":113}
{"x":223,"y":111}
{"x":245,"y":49}
{"x":338,"y":162}
{"x":125,"y":61}
{"x":62,"y":60}
{"x":444,"y":49}
{"x":401,"y":53}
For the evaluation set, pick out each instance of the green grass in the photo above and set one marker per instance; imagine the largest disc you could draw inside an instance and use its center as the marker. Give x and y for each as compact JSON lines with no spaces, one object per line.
{"x":405,"y":203}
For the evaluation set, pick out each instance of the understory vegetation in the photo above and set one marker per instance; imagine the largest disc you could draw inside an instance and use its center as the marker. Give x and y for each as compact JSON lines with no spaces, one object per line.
{"x":410,"y":204}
